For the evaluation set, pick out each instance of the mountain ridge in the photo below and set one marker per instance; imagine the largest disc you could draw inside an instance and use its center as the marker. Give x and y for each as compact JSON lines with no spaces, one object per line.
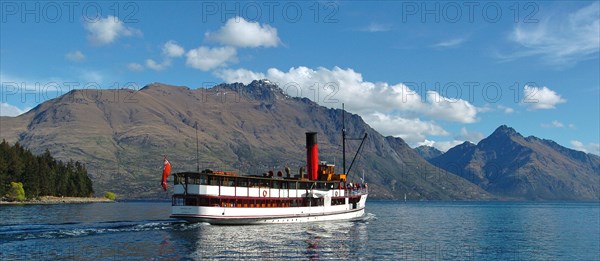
{"x":123,"y":134}
{"x":513,"y":166}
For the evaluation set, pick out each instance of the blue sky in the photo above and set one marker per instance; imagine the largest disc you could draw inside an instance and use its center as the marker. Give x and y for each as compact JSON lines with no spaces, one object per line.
{"x":435,"y":73}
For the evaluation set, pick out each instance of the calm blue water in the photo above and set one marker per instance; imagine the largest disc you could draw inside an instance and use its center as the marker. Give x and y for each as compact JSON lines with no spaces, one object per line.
{"x":391,"y":231}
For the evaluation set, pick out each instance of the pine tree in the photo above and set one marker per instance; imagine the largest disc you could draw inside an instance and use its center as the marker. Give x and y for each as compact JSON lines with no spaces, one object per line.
{"x":41,"y":175}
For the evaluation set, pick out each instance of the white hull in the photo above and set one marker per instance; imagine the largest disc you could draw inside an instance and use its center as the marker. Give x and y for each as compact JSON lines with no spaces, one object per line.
{"x":250,"y":216}
{"x":353,"y":215}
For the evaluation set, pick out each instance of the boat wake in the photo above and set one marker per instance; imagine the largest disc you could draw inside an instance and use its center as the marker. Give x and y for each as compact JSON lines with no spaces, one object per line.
{"x":68,"y":230}
{"x":369,"y":217}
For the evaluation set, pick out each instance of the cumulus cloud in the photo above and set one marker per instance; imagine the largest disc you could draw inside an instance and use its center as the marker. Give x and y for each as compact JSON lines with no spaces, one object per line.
{"x":158,"y":66}
{"x":587,"y":148}
{"x":75,"y":56}
{"x":172,"y":49}
{"x":135,"y":67}
{"x":443,"y":146}
{"x":10,"y":110}
{"x":241,"y":33}
{"x":106,"y":30}
{"x":506,"y":109}
{"x":391,"y":109}
{"x":240,"y":75}
{"x":205,"y":58}
{"x":411,"y":130}
{"x":554,"y":124}
{"x":329,"y":86}
{"x":471,"y":136}
{"x":537,"y":98}
{"x":562,"y":39}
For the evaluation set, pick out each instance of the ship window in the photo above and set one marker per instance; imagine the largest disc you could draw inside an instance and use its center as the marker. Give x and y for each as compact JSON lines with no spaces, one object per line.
{"x":264,"y":183}
{"x":276,"y":184}
{"x":242,"y":182}
{"x":227,"y":182}
{"x":203,"y":180}
{"x":213,"y":180}
{"x":178,"y":202}
{"x":303,"y":185}
{"x":203,"y":202}
{"x":292,"y":185}
{"x":252,"y":183}
{"x":191,"y":202}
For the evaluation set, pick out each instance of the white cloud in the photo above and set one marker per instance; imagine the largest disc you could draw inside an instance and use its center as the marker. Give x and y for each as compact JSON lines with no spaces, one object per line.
{"x":587,"y":148}
{"x":75,"y":56}
{"x":560,"y":39}
{"x":450,"y":43}
{"x":169,"y":50}
{"x":457,"y":110}
{"x":172,"y":49}
{"x":390,"y":109}
{"x":106,"y":30}
{"x":135,"y":67}
{"x":411,"y":130}
{"x":541,"y":98}
{"x":443,"y":146}
{"x":204,"y":58}
{"x":554,"y":124}
{"x":376,"y":27}
{"x":240,"y":75}
{"x":471,"y":136}
{"x":91,"y":76}
{"x":158,"y":66}
{"x":506,"y":109}
{"x":10,"y":110}
{"x":330,"y":86}
{"x":241,"y":33}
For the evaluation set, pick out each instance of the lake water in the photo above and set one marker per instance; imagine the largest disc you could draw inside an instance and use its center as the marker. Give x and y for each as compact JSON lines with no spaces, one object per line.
{"x":390,"y":231}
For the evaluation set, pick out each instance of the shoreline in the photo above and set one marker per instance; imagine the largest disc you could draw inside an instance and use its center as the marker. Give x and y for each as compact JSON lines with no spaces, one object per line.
{"x":49,"y":200}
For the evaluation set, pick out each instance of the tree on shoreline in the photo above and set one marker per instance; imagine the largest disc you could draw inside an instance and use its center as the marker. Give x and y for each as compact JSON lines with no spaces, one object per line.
{"x":41,"y":175}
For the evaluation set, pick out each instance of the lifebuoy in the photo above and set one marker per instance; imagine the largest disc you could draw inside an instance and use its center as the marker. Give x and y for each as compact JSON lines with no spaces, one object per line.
{"x":264,"y":193}
{"x":336,"y":193}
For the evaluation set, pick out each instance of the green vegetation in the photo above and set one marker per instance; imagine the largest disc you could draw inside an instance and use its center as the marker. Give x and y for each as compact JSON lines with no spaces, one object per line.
{"x":110,"y":195}
{"x":41,"y":175}
{"x":16,"y":192}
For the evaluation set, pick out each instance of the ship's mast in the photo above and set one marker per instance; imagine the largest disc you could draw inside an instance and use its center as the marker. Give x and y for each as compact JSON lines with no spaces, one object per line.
{"x":343,"y":139}
{"x":197,"y":153}
{"x":344,"y":143}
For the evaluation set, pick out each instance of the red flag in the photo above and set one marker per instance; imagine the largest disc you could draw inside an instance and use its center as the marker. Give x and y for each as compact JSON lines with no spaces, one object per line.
{"x":166,"y":173}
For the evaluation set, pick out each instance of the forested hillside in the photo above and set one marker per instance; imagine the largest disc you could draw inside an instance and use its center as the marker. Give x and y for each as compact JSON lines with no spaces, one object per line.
{"x":41,"y":175}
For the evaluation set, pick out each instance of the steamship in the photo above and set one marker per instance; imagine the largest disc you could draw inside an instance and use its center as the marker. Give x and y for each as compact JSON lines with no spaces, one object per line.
{"x":225,"y":198}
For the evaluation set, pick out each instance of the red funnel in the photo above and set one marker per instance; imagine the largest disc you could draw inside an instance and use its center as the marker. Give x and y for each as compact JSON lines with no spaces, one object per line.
{"x":312,"y":155}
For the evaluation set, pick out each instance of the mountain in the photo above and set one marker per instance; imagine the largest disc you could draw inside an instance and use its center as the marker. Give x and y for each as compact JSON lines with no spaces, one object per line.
{"x":122,"y":135}
{"x":512,"y":166}
{"x":428,"y":152}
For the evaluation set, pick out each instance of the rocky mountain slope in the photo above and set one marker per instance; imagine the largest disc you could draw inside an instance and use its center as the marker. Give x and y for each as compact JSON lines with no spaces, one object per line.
{"x":512,"y":166}
{"x":122,"y":136}
{"x":428,"y":152}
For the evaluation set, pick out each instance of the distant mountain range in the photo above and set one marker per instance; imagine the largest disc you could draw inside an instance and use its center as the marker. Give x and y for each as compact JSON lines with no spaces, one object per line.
{"x":511,"y":166}
{"x":428,"y":152}
{"x":122,"y":135}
